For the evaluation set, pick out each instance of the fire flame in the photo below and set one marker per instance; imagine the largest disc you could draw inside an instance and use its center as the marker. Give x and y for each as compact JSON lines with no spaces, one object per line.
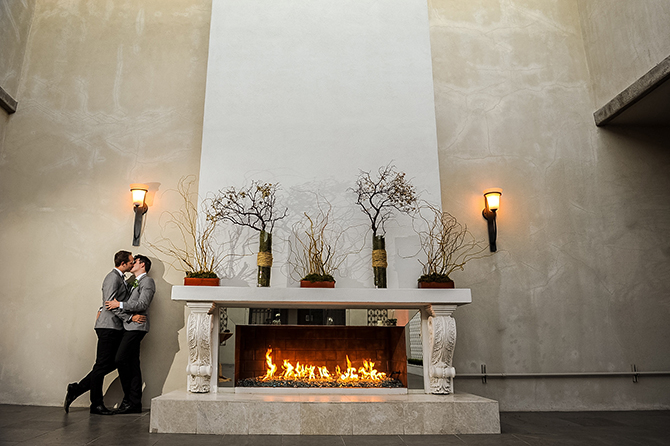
{"x":271,"y":367}
{"x":316,"y":373}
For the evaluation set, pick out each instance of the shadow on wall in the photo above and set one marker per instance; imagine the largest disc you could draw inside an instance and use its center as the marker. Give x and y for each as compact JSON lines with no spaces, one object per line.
{"x":161,"y":344}
{"x":651,"y":140}
{"x":634,"y":162}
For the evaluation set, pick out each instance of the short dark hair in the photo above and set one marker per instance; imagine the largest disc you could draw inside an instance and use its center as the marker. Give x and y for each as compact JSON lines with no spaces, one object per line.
{"x":121,"y":257}
{"x":145,"y":260}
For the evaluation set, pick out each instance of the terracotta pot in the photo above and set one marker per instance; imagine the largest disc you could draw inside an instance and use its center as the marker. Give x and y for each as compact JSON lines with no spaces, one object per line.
{"x":197,"y":281}
{"x":308,"y":284}
{"x":449,"y":284}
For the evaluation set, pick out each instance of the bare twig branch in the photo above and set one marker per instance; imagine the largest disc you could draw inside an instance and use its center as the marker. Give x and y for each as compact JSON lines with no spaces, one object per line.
{"x":318,"y":245}
{"x":379,"y":197}
{"x":447,"y":244}
{"x":253,"y":206}
{"x":196,"y":249}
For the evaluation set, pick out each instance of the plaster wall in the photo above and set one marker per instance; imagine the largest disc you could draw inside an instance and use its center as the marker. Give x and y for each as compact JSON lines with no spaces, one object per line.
{"x":15,"y":20}
{"x":308,"y":94}
{"x":578,"y":282}
{"x":111,"y":94}
{"x":623,"y":40}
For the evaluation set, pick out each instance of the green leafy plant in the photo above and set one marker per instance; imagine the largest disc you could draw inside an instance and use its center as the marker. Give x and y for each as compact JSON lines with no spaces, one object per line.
{"x":202,"y":275}
{"x":319,"y":278}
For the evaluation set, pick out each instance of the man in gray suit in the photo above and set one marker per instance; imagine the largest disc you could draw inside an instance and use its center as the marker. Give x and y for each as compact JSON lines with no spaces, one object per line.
{"x":109,"y":330}
{"x":128,"y":354}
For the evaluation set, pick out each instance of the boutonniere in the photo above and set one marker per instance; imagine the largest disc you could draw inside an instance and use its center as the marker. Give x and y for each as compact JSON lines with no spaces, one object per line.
{"x":136,"y":283}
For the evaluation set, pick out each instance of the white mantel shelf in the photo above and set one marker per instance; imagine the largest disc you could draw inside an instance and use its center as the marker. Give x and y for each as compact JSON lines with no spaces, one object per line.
{"x":259,"y":297}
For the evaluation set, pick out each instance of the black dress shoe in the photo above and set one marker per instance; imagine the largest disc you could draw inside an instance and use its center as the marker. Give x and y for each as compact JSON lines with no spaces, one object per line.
{"x":127,"y":408}
{"x":100,"y":409}
{"x":70,"y":396}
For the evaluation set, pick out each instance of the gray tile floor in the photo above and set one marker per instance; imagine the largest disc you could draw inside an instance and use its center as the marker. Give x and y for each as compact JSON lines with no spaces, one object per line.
{"x":36,"y":425}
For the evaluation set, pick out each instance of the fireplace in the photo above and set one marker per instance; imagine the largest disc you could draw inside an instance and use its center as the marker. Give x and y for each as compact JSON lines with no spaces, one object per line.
{"x":344,"y":351}
{"x":438,"y":328}
{"x":205,"y":408}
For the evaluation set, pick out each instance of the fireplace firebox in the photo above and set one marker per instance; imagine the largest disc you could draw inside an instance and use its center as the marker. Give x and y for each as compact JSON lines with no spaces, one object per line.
{"x":357,"y":349}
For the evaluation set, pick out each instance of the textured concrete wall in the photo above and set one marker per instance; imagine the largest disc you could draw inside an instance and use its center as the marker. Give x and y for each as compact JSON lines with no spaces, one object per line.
{"x":578,"y":282}
{"x":623,"y":40}
{"x":15,"y":20}
{"x":111,"y":94}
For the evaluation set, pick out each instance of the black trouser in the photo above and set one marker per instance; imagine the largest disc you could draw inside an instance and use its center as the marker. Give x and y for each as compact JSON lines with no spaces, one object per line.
{"x":128,"y":362}
{"x":108,"y":344}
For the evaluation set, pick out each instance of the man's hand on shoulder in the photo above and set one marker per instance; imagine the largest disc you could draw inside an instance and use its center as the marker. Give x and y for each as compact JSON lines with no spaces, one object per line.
{"x":112,"y":304}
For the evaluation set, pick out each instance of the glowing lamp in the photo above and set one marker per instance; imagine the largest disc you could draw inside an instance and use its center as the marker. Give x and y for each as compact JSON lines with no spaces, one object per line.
{"x":492,"y":197}
{"x":139,"y":192}
{"x":491,"y":206}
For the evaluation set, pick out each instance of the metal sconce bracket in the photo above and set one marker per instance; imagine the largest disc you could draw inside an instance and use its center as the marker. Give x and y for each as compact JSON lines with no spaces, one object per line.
{"x":490,"y":217}
{"x":139,"y":192}
{"x":137,"y":230}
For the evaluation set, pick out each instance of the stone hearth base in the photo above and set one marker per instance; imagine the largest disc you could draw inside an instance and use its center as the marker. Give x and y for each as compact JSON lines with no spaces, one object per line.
{"x":226,"y":412}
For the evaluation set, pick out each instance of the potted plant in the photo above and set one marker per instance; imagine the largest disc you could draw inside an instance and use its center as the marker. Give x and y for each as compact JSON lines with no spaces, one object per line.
{"x":254,"y":207}
{"x":447,"y":246}
{"x":195,"y":251}
{"x":201,"y":278}
{"x":378,"y":198}
{"x":316,"y":249}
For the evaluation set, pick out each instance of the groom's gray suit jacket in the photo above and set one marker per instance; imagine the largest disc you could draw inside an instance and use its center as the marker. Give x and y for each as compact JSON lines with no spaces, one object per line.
{"x":113,"y":287}
{"x":138,"y":303}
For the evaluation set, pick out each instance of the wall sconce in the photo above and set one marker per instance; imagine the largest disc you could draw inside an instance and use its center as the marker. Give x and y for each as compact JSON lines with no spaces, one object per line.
{"x":492,"y":204}
{"x":139,"y":192}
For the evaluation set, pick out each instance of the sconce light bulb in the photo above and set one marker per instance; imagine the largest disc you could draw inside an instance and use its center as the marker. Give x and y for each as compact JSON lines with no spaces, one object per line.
{"x":139,"y":191}
{"x":492,"y":197}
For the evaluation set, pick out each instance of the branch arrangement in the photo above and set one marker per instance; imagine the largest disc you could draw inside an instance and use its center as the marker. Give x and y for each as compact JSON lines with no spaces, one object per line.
{"x":253,"y":207}
{"x":318,"y":244}
{"x":447,"y":244}
{"x":317,"y":247}
{"x":378,"y":198}
{"x":197,"y":252}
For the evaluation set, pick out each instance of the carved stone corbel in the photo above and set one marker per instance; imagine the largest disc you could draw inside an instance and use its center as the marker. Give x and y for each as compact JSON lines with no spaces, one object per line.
{"x":441,"y":328}
{"x":199,"y":335}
